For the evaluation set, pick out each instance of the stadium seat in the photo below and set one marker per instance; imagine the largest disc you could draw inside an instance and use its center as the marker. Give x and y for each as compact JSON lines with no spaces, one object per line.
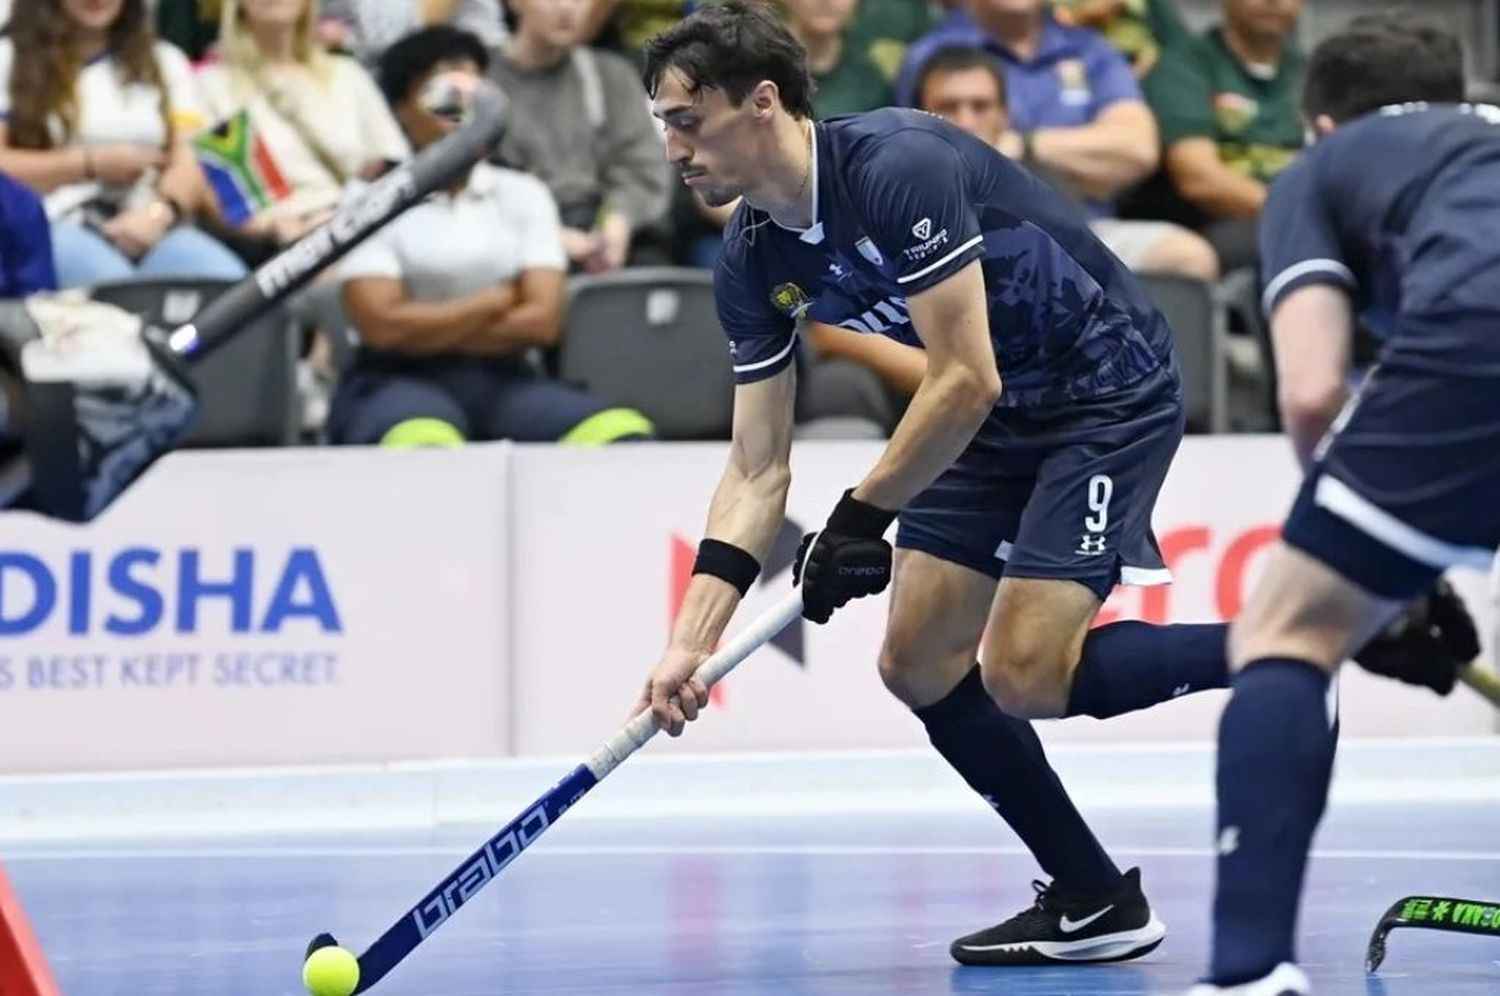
{"x":1197,"y":323}
{"x":648,"y":338}
{"x":248,"y":386}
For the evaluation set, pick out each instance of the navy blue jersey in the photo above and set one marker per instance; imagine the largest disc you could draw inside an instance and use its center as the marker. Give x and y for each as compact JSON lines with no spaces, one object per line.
{"x":902,"y":200}
{"x":1402,"y":207}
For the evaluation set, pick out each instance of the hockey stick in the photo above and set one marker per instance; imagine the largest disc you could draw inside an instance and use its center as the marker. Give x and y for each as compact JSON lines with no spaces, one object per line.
{"x":102,"y":405}
{"x":460,"y":885}
{"x":1482,"y":682}
{"x":1462,"y":916}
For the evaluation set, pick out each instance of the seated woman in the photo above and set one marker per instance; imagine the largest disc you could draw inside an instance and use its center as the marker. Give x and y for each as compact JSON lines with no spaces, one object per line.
{"x":315,"y":121}
{"x":97,"y":116}
{"x":449,"y":298}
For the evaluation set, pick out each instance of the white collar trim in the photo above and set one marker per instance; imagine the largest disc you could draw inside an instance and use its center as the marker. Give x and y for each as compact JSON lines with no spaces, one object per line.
{"x":814,"y":235}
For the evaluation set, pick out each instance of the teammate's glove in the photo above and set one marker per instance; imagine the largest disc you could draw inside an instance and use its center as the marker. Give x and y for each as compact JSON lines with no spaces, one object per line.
{"x":847,"y":559}
{"x":1428,"y":645}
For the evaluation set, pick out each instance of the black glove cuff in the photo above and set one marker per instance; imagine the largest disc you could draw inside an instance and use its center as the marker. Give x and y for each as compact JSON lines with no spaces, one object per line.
{"x":853,"y":517}
{"x":727,"y":562}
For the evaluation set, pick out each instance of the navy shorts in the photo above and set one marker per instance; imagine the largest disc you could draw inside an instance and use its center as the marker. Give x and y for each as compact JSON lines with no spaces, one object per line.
{"x":1062,"y":493}
{"x":1408,"y":482}
{"x":482,"y":399}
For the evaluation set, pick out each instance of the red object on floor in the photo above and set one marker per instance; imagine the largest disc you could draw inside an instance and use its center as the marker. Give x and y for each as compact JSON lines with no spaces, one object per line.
{"x":23,"y":967}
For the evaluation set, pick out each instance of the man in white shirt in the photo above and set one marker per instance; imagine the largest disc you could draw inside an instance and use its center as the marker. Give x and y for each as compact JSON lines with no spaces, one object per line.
{"x":450,"y":297}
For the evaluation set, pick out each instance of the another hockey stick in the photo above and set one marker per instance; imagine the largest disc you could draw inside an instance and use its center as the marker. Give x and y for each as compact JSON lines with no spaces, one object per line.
{"x":476,"y":871}
{"x":1462,"y":916}
{"x":1482,"y":682}
{"x":101,"y":404}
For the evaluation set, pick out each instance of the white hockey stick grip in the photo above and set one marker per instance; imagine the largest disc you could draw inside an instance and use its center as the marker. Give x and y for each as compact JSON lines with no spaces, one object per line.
{"x":642,"y":727}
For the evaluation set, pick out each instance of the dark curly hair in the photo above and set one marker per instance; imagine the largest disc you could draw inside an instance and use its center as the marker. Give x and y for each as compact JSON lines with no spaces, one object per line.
{"x":732,"y":47}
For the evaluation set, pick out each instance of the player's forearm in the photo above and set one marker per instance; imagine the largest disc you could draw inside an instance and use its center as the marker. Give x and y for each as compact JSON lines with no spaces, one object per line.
{"x":1101,"y":158}
{"x":946,"y":411}
{"x":1308,"y":421}
{"x":746,"y":511}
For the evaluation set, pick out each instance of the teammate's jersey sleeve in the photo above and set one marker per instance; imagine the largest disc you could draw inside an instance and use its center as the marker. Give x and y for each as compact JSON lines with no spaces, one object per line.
{"x":762,"y":340}
{"x":912,"y":193}
{"x":1299,"y":243}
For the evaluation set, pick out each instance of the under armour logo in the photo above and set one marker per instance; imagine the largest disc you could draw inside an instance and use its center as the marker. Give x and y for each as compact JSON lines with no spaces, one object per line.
{"x":1091,"y":546}
{"x":838,"y":270}
{"x":1229,"y":841}
{"x":922,"y":229}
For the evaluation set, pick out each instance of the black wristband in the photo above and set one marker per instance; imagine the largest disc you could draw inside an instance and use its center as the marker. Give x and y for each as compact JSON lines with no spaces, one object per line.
{"x":857,"y":518}
{"x":727,"y":562}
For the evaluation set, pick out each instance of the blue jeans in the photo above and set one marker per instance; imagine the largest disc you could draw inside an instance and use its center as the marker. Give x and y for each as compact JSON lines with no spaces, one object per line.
{"x":84,"y":257}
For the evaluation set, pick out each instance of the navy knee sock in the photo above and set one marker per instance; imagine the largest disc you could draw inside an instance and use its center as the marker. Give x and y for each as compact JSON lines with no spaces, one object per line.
{"x":1132,"y":665}
{"x":1275,"y":760}
{"x":1002,"y":759}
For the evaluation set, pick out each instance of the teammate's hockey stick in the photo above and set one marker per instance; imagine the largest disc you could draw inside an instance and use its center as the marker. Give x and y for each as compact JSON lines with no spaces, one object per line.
{"x":1482,"y":682}
{"x":101,"y":405}
{"x":1463,"y":916}
{"x":460,"y":885}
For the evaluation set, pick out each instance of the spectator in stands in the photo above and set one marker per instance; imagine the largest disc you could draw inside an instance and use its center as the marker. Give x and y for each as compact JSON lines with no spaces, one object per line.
{"x":967,"y":85}
{"x":1227,"y":103}
{"x":847,"y":80}
{"x":25,"y":242}
{"x":367,"y":28}
{"x":450,"y":297}
{"x":1074,"y":107}
{"x":294,"y":124}
{"x":95,"y":115}
{"x":1140,"y":30}
{"x":883,"y":28}
{"x":580,"y":122}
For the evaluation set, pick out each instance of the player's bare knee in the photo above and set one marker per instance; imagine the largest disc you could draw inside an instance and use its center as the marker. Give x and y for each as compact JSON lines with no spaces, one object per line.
{"x":1028,"y":683}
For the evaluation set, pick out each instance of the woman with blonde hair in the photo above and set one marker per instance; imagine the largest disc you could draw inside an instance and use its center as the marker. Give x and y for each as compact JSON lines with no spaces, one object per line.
{"x":316,"y":118}
{"x":96,"y":115}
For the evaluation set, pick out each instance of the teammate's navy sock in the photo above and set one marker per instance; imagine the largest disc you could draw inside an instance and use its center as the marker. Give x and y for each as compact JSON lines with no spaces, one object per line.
{"x":1132,"y":665}
{"x":1275,"y":759}
{"x":1002,"y":759}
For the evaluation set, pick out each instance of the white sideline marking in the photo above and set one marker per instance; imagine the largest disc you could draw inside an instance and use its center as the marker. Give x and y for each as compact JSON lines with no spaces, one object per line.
{"x":690,"y":850}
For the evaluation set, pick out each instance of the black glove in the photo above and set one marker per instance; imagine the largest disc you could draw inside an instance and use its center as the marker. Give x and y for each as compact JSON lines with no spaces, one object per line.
{"x":847,"y":559}
{"x":1428,"y":645}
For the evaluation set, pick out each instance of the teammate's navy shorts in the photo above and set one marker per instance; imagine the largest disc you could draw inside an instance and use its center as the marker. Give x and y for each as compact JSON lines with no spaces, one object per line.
{"x":1061,"y":493}
{"x":378,"y":400}
{"x":1408,"y":482}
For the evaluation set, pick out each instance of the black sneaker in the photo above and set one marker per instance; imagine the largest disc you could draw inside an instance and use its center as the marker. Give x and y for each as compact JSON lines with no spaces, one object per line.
{"x":1061,"y":928}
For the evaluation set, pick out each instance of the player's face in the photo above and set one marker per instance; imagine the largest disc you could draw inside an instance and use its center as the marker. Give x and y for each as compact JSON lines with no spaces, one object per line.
{"x":820,"y":17}
{"x":709,"y":140}
{"x":969,"y":98}
{"x":1264,"y":18}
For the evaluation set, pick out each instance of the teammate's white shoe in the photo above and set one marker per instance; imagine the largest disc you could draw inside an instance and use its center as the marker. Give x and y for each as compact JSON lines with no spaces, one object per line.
{"x":1285,"y":979}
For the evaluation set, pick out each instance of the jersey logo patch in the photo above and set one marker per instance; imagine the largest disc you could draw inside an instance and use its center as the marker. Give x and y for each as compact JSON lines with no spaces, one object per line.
{"x":790,"y":300}
{"x":922,"y":229}
{"x":868,"y":250}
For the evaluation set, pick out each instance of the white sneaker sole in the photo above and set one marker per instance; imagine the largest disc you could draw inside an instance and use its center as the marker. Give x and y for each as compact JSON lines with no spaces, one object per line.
{"x":1285,"y":980}
{"x":1102,"y":947}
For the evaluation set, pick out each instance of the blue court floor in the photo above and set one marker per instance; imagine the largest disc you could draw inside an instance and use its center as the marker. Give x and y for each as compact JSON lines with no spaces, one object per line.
{"x":851,"y":904}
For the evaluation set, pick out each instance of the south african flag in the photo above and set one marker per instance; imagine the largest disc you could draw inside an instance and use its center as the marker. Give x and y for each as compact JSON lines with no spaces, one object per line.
{"x":244,"y":175}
